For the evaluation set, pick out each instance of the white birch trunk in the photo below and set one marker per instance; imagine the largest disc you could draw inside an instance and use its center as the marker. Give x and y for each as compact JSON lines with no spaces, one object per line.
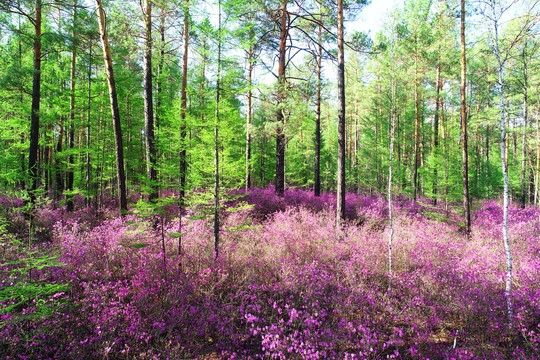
{"x":502,"y":124}
{"x":392,"y":135}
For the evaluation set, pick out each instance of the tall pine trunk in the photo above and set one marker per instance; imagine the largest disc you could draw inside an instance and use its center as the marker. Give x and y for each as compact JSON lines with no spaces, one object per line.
{"x":216,"y":142}
{"x":71,"y":137}
{"x":416,"y":122}
{"x":58,"y":163}
{"x":88,"y":168}
{"x":183,"y":127}
{"x":317,"y":170}
{"x":340,"y":208}
{"x":438,"y":100}
{"x":249,"y":110}
{"x":22,"y":180}
{"x":151,"y":155}
{"x":33,"y":164}
{"x":118,"y":142}
{"x":537,"y":179}
{"x":159,"y":84}
{"x":280,"y":118}
{"x":464,"y":151}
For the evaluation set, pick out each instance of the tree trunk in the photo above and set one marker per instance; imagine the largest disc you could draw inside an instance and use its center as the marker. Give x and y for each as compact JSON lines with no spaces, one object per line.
{"x":22,"y":181}
{"x":45,"y":161}
{"x":119,"y":146}
{"x":340,"y":208}
{"x":438,"y":100}
{"x":537,"y":180}
{"x":202,"y":85}
{"x":416,"y":122}
{"x":159,"y":85}
{"x":376,"y":142}
{"x":249,"y":111}
{"x":216,"y":142}
{"x":71,"y":140}
{"x":487,"y":153}
{"x":357,"y":145}
{"x":464,"y":124}
{"x":151,"y":155}
{"x":183,"y":127}
{"x":525,"y":124}
{"x":33,"y":164}
{"x":514,"y":141}
{"x":88,"y":168}
{"x":445,"y":155}
{"x":392,"y":135}
{"x":507,"y":142}
{"x":280,"y":118}
{"x":102,"y":163}
{"x":317,"y":170}
{"x":531,"y":180}
{"x":504,"y":165}
{"x":58,"y":162}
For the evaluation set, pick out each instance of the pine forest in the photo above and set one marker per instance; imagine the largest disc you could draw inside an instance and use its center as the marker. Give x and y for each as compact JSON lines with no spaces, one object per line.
{"x":270,"y":179}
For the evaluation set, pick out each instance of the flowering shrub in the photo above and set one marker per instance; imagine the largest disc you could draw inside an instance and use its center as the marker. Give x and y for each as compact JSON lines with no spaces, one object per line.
{"x":287,"y":285}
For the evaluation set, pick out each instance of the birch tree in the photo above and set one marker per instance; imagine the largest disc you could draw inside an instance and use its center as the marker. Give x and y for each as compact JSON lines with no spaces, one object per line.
{"x":391,"y":150}
{"x":494,"y":12}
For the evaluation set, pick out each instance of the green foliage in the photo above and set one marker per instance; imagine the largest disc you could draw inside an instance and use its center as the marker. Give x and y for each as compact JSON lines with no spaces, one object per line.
{"x":418,"y":38}
{"x":24,"y":287}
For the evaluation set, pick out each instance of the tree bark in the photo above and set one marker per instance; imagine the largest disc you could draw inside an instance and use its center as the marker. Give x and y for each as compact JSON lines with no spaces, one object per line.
{"x":416,"y":122}
{"x":149,"y":134}
{"x":280,"y":123}
{"x":357,"y":144}
{"x":33,"y":163}
{"x":392,"y":135}
{"x":183,"y":127}
{"x":340,"y":208}
{"x":161,"y":64}
{"x":537,"y":180}
{"x":317,"y":169}
{"x":71,"y":140}
{"x":22,"y":180}
{"x":88,"y":168}
{"x":507,"y":142}
{"x":487,"y":153}
{"x":58,"y":163}
{"x":525,"y":124}
{"x":249,"y":110}
{"x":464,"y":152}
{"x":438,"y":106}
{"x":118,"y":142}
{"x":376,"y":142}
{"x":504,"y":165}
{"x":216,"y":142}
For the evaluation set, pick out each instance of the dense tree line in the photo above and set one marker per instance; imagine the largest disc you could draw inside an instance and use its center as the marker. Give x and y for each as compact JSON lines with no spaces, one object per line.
{"x":190,"y":93}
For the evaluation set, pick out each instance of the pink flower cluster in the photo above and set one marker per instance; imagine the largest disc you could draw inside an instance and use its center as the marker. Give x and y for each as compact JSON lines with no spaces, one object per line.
{"x":287,"y":285}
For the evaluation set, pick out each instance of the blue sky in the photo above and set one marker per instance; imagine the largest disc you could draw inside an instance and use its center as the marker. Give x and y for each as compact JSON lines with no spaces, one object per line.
{"x":372,"y":17}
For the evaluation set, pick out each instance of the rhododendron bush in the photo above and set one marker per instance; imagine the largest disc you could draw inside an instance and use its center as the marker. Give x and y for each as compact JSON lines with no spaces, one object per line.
{"x":287,"y":284}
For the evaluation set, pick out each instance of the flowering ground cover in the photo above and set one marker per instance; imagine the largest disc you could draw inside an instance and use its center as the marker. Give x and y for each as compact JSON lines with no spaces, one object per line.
{"x":287,"y":284}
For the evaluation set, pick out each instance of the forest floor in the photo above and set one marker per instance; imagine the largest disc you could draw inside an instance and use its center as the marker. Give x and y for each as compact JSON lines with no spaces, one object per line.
{"x":286,"y":285}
